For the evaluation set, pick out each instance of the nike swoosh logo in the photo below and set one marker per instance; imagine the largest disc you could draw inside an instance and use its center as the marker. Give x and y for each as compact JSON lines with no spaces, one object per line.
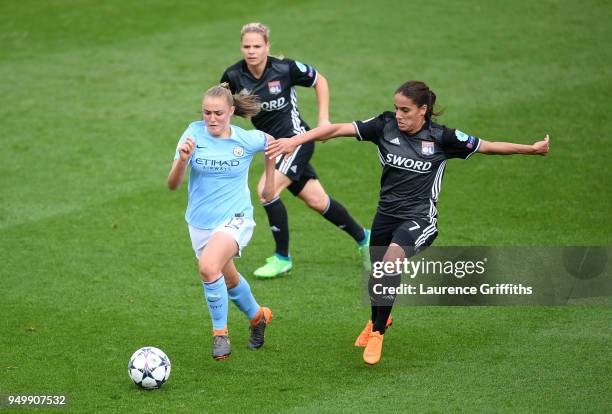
{"x":202,"y":146}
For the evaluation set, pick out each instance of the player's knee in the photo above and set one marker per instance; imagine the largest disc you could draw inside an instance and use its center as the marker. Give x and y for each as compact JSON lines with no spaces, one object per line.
{"x":317,"y":202}
{"x":209,"y":271}
{"x":396,"y":252}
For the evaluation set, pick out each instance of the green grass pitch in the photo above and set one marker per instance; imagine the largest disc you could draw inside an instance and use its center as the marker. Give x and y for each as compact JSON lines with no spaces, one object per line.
{"x":95,"y":256}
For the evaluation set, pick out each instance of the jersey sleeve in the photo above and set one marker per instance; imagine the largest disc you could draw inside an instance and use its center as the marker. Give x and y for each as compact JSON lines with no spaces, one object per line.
{"x":458,"y":144}
{"x":188,"y":133}
{"x":258,"y":141}
{"x":370,"y":129}
{"x":302,"y":74}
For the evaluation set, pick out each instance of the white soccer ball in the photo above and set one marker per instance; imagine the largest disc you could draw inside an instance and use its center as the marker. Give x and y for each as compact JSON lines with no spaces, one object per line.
{"x":149,"y":368}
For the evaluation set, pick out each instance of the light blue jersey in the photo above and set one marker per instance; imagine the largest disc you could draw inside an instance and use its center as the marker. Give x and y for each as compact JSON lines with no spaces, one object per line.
{"x":218,"y":176}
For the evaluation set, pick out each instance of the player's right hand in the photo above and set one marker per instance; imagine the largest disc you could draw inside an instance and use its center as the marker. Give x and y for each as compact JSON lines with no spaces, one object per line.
{"x":186,"y":149}
{"x":281,"y":146}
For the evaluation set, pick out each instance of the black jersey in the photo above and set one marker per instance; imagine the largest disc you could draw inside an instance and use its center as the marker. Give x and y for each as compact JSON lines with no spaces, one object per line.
{"x":279,"y":114}
{"x":413,"y":165}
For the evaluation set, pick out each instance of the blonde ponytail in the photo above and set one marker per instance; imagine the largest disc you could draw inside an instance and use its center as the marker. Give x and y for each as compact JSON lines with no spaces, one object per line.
{"x":245,"y":104}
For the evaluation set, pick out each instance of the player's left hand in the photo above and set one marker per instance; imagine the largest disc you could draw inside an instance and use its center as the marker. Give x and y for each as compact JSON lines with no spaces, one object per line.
{"x":541,"y":147}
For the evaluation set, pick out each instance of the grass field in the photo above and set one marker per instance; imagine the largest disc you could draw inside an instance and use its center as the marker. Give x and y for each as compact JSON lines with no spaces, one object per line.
{"x":96,"y":260}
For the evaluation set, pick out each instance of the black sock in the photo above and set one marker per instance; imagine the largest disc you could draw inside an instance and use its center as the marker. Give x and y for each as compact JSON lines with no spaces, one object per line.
{"x":338,"y":215}
{"x":383,"y":302}
{"x":382,"y":314}
{"x":279,"y":224}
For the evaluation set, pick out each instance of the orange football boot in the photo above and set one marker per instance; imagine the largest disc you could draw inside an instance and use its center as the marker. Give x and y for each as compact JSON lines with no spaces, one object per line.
{"x":362,"y":339}
{"x":373,"y":350}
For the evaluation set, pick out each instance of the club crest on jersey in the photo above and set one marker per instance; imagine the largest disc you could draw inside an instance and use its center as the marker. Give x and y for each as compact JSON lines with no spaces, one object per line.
{"x":274,"y":87}
{"x":427,"y":148}
{"x":238,"y":151}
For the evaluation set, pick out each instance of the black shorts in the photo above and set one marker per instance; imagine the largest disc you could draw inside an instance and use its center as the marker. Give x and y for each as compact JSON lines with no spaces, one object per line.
{"x":412,"y":235}
{"x":297,"y":167}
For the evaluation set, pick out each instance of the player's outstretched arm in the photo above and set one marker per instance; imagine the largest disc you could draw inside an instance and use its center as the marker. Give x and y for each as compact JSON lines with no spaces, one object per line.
{"x":179,"y":166}
{"x":270,"y":167}
{"x":322,"y":133}
{"x":509,"y":148}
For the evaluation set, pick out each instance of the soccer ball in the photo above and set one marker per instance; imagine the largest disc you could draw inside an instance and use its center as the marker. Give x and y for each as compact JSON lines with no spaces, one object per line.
{"x":149,"y":368}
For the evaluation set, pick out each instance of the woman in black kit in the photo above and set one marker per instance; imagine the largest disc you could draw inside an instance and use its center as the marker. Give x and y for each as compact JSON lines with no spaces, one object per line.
{"x":273,"y":81}
{"x":413,"y":151}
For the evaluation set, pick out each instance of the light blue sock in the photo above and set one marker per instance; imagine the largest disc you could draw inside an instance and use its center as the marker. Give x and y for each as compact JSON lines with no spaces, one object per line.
{"x":280,"y":256}
{"x":215,"y":294}
{"x":242,"y":296}
{"x":366,"y":238}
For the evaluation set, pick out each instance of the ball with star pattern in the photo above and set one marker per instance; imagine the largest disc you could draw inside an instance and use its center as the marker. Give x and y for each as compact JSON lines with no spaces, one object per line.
{"x":149,"y":368}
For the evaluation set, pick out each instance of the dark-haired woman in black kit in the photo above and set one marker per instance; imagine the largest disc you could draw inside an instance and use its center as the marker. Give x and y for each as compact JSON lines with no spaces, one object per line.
{"x":413,"y":151}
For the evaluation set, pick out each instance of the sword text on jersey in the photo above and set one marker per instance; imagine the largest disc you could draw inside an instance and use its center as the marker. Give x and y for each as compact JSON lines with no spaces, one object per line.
{"x":274,"y":104}
{"x":408,"y":163}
